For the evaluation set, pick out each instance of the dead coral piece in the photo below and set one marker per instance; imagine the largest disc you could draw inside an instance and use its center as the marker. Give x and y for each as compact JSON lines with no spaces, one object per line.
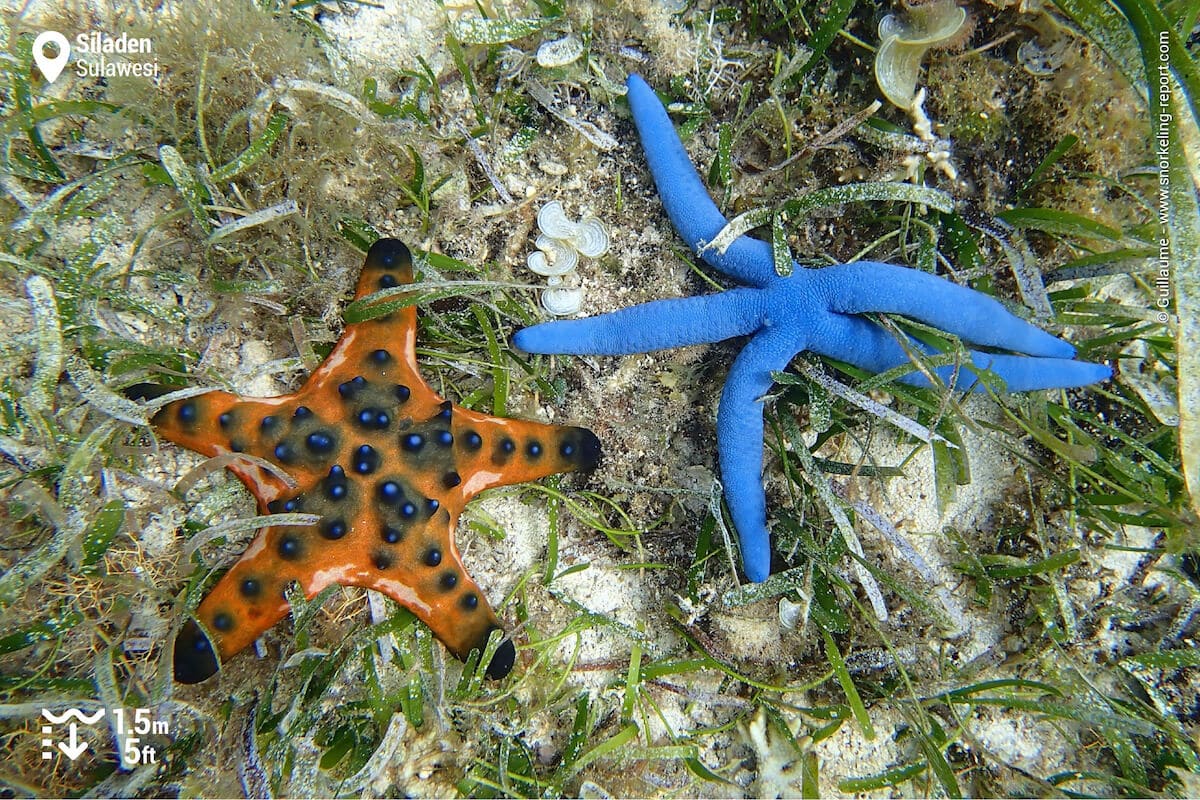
{"x":782,"y":757}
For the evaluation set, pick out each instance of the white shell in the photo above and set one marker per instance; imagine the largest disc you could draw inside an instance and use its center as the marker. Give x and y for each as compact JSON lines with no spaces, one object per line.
{"x":891,"y":26}
{"x":553,"y":222}
{"x":929,"y":25}
{"x":557,"y":257}
{"x":537,"y":262}
{"x":897,"y":67}
{"x":940,"y":24}
{"x":547,"y":266}
{"x":561,"y":301}
{"x":559,"y":52}
{"x":789,"y":613}
{"x":592,"y":238}
{"x":903,"y":44}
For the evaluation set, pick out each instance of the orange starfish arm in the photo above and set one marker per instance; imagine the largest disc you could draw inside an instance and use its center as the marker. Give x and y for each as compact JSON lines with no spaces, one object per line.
{"x":421,"y":570}
{"x":501,"y":452}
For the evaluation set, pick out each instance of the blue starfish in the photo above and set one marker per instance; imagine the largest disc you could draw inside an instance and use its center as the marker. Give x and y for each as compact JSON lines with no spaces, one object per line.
{"x":811,"y":309}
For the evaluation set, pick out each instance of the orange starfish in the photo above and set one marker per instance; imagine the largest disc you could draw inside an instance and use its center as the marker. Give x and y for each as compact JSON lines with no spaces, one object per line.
{"x":386,"y":463}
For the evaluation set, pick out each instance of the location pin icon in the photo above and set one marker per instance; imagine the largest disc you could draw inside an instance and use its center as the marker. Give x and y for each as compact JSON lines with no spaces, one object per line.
{"x":51,"y":67}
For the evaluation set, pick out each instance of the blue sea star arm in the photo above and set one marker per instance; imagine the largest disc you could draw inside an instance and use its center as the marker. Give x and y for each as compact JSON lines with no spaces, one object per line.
{"x":864,"y":344}
{"x":685,"y":197}
{"x":970,"y":315}
{"x":739,"y":441}
{"x":650,"y":326}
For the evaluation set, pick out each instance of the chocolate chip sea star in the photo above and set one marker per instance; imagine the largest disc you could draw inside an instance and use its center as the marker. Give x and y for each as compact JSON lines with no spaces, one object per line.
{"x":818,"y":310}
{"x":386,"y":463}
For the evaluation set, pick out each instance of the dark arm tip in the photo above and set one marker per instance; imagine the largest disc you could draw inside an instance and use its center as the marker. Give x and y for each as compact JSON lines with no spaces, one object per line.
{"x":389,"y":254}
{"x":146,"y":391}
{"x":195,"y":660}
{"x":589,"y":450}
{"x":503,"y":660}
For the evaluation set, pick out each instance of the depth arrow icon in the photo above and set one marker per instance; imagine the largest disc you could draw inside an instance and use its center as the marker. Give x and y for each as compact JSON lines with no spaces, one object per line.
{"x":73,"y":748}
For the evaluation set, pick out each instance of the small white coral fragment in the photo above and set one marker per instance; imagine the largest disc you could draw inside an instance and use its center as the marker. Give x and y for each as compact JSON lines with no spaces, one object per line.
{"x":559,"y":52}
{"x":781,"y":756}
{"x":922,"y":124}
{"x":940,"y":160}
